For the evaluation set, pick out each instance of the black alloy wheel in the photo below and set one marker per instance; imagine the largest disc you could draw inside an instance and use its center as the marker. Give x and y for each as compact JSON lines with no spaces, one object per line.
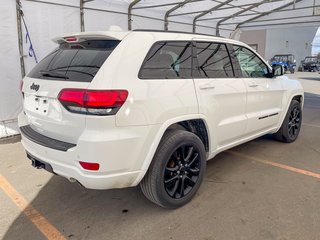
{"x":294,"y":122}
{"x":182,"y":171}
{"x":291,"y":125}
{"x":176,"y":171}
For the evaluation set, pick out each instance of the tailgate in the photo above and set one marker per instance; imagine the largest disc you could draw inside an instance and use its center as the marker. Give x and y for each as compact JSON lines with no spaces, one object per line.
{"x":46,"y":114}
{"x":73,"y":65}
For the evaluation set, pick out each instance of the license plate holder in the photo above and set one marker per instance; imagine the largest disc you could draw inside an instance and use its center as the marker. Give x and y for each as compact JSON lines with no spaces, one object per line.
{"x":41,"y":105}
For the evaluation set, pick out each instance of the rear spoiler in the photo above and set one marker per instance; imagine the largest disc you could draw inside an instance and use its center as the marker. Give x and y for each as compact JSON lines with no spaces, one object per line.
{"x":79,"y":37}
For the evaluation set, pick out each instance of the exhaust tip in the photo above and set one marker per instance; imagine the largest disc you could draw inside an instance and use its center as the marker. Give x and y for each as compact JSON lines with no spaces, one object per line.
{"x":73,"y":180}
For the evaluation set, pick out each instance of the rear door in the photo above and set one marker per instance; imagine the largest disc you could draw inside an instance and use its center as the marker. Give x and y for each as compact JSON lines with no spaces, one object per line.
{"x":264,"y":93}
{"x":221,"y":96}
{"x":74,"y":65}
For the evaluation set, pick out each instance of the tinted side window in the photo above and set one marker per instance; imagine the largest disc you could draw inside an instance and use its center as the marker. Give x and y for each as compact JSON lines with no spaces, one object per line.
{"x":74,"y":61}
{"x":250,"y":64}
{"x":213,"y":60}
{"x":167,"y":60}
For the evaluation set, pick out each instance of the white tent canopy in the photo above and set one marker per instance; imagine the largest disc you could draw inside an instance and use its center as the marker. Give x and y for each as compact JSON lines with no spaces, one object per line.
{"x":46,"y":19}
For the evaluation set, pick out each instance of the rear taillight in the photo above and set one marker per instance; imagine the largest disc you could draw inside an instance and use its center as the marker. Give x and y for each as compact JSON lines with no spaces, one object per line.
{"x":94,"y":102}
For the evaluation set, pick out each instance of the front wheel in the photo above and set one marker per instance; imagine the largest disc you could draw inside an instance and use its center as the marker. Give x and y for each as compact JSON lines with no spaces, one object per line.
{"x":176,"y":171}
{"x":291,"y":125}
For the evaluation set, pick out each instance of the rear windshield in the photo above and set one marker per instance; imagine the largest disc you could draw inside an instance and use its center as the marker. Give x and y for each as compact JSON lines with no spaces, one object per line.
{"x":74,"y":61}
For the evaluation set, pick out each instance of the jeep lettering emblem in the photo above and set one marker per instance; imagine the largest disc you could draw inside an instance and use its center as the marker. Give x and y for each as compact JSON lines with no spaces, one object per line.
{"x":34,"y":87}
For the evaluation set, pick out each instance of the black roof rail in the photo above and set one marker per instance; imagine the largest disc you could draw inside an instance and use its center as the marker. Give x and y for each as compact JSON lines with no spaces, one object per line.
{"x":164,"y":31}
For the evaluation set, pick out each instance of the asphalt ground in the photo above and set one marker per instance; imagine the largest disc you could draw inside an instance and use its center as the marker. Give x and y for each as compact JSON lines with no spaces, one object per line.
{"x":262,"y":189}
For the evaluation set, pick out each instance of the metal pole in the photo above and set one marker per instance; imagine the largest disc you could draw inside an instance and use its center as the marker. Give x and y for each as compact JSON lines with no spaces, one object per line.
{"x":281,"y":24}
{"x":272,"y":19}
{"x":161,"y":5}
{"x":134,"y":2}
{"x":252,"y":14}
{"x":206,"y":12}
{"x":278,"y":9}
{"x":146,"y":17}
{"x":20,"y":41}
{"x":166,"y":16}
{"x":238,"y":13}
{"x":82,"y":16}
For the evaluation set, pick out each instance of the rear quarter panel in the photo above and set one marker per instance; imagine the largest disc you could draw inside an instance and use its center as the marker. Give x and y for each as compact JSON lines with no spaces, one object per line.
{"x":150,"y":101}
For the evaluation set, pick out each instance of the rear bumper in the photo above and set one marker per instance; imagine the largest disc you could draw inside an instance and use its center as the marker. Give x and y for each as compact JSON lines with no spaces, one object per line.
{"x":90,"y":180}
{"x":120,"y":152}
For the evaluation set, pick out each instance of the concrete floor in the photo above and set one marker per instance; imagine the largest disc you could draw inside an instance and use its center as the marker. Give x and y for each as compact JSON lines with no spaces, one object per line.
{"x":242,"y":196}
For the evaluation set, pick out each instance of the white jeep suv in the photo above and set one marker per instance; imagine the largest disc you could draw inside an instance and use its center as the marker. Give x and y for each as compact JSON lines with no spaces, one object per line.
{"x":118,"y":109}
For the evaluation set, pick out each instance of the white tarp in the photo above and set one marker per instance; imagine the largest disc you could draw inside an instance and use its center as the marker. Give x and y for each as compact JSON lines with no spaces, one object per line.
{"x":10,"y":75}
{"x":46,"y":21}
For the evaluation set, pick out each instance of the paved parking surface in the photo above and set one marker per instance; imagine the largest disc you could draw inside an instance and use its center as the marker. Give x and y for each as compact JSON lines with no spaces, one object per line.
{"x":260,"y":190}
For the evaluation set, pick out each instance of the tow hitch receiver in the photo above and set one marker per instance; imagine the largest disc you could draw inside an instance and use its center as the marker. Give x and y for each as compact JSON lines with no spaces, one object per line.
{"x":39,"y":164}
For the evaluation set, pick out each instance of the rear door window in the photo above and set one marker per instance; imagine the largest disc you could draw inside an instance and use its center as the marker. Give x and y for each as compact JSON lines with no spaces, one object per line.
{"x":167,"y":60}
{"x":213,"y":60}
{"x":74,"y":61}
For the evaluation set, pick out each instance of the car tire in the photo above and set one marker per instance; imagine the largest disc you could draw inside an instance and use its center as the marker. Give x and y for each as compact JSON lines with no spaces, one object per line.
{"x":291,"y":125}
{"x":176,"y":171}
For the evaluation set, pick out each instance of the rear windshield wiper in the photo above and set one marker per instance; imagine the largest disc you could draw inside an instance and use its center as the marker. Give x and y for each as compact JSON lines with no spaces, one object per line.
{"x":53,"y":74}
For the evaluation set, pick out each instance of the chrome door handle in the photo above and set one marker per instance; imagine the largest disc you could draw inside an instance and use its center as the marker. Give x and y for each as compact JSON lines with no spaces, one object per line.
{"x":207,"y":86}
{"x":253,"y":84}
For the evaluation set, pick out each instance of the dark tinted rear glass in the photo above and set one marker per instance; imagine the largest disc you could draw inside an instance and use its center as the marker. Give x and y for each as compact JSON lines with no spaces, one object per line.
{"x":213,"y":60}
{"x":167,"y":60}
{"x":74,"y":61}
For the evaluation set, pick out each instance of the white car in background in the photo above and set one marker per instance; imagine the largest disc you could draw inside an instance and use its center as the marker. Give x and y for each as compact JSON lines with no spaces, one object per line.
{"x":118,"y":109}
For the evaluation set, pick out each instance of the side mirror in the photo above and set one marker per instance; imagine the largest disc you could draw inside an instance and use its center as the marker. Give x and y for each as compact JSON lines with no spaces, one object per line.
{"x":277,"y":70}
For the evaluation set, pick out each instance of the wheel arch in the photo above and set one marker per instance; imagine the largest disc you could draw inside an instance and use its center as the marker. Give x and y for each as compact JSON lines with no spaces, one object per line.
{"x":299,"y":96}
{"x":196,"y":124}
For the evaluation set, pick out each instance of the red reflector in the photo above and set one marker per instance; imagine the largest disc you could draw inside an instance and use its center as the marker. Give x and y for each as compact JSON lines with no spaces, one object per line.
{"x":94,"y":98}
{"x":71,"y":39}
{"x":90,"y":166}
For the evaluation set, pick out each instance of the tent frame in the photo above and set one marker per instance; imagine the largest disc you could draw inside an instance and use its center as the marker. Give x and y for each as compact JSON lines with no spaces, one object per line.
{"x":221,"y":5}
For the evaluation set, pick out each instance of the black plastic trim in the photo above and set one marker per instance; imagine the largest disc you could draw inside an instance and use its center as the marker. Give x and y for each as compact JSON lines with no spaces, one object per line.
{"x":270,"y":115}
{"x":40,"y":139}
{"x":39,"y":163}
